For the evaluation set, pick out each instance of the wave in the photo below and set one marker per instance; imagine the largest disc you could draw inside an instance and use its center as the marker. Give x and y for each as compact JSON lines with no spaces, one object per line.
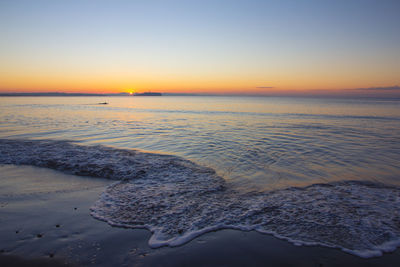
{"x":95,"y":161}
{"x":178,"y":200}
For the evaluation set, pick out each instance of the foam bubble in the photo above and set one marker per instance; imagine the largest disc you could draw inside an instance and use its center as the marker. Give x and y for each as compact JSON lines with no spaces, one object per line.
{"x":361,"y":218}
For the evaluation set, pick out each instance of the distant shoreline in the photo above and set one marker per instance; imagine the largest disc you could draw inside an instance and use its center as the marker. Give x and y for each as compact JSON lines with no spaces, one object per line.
{"x":59,"y":94}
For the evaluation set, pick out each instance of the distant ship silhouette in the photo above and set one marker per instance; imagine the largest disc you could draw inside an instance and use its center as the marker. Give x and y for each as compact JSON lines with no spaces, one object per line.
{"x":147,"y":94}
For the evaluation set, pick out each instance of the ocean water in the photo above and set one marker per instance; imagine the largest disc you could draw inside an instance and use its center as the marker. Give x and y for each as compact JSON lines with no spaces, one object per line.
{"x":310,"y":170}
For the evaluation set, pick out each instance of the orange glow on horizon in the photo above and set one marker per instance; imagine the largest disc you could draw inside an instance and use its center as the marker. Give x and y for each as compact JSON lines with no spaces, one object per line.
{"x":164,"y":83}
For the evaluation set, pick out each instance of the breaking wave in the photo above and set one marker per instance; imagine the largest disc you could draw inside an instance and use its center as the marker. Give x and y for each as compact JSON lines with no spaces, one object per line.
{"x":178,"y":200}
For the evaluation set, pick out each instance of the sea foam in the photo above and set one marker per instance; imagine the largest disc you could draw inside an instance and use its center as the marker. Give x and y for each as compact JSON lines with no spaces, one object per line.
{"x":178,"y":200}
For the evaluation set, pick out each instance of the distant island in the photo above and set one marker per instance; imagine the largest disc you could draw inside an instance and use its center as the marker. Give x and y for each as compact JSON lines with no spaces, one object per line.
{"x":147,"y":94}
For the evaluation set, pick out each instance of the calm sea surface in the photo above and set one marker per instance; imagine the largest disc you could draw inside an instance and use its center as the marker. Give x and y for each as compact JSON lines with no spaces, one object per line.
{"x":254,"y":143}
{"x":308,"y":170}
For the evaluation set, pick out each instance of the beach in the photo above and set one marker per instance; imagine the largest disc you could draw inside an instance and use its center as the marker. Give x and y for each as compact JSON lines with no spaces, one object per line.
{"x":239,"y":181}
{"x":45,"y":219}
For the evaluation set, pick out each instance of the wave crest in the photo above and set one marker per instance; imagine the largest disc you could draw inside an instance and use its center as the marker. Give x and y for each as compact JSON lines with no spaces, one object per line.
{"x":95,"y":161}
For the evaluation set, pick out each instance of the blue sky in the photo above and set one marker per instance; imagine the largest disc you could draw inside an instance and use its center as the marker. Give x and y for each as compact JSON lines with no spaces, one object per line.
{"x":204,"y":45}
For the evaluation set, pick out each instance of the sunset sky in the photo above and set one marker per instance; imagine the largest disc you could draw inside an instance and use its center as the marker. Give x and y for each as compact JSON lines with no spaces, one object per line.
{"x":197,"y":46}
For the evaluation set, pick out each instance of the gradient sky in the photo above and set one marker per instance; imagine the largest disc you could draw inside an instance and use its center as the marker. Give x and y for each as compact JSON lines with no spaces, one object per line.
{"x":198,"y":46}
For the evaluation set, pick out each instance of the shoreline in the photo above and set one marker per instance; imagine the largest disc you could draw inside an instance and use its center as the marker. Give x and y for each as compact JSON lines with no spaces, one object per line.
{"x":46,"y":220}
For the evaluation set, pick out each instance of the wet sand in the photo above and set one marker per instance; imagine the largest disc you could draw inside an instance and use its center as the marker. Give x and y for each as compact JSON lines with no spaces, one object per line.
{"x":45,"y":221}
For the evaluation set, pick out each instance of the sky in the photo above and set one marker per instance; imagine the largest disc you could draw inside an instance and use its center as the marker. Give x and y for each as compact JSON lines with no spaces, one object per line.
{"x":217,"y":46}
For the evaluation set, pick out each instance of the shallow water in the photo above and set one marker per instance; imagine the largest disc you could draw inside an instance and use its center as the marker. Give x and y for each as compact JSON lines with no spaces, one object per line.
{"x":255,"y":143}
{"x":277,"y":160}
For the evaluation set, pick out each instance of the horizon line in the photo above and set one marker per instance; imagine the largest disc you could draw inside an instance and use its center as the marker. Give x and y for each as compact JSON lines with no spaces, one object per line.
{"x":392,"y":92}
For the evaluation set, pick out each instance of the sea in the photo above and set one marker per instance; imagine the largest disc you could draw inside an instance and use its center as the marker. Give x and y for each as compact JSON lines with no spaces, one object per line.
{"x":311,"y":170}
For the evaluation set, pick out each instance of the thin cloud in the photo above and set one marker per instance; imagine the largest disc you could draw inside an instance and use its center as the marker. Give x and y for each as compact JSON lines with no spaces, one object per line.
{"x":389,"y":88}
{"x":264,"y":87}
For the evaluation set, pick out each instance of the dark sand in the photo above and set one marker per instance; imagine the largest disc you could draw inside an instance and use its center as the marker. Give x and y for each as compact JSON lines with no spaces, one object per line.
{"x":45,"y":221}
